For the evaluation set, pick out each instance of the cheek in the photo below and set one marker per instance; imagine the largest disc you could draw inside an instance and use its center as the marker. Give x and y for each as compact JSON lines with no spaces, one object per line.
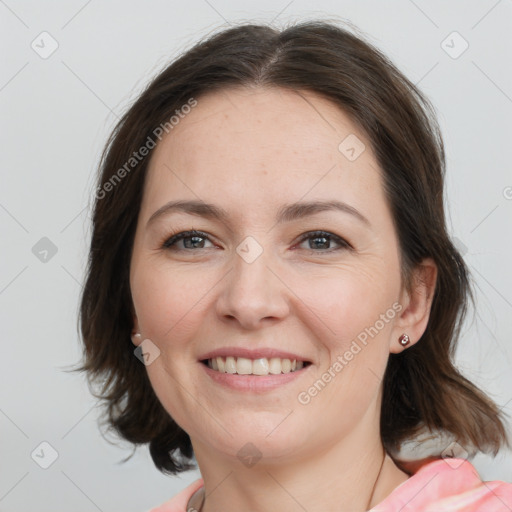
{"x":348,"y":299}
{"x":354,"y":316}
{"x":167,"y":299}
{"x":175,"y":306}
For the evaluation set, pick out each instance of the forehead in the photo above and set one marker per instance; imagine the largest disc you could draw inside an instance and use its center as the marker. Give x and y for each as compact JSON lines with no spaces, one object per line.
{"x":272,"y":143}
{"x":273,"y":118}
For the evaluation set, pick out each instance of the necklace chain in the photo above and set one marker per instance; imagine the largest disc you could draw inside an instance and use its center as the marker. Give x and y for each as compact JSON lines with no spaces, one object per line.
{"x":376,"y":480}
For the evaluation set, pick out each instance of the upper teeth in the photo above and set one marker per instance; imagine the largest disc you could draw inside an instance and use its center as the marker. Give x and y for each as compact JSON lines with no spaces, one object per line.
{"x":262,"y":366}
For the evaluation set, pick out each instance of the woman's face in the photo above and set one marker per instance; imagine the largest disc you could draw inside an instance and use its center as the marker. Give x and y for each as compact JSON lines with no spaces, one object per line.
{"x":260,"y":278}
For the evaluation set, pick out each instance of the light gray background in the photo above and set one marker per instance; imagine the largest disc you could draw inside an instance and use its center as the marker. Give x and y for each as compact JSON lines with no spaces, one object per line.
{"x":56,"y":115}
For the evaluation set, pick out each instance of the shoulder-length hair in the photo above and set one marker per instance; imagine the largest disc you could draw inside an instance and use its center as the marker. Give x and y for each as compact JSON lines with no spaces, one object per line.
{"x":421,"y":386}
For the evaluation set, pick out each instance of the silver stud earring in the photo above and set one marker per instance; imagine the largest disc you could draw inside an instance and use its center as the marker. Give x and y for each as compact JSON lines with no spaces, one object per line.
{"x":404,"y":340}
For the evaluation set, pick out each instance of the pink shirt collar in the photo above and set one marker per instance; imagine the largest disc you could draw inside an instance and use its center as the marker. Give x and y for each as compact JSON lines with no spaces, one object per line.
{"x":450,"y":485}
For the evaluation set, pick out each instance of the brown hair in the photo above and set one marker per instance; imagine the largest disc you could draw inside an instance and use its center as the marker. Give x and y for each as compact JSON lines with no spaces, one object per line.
{"x":421,"y":385}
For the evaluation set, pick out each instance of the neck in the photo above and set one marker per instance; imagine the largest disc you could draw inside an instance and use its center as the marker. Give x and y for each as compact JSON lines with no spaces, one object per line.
{"x":352,"y":475}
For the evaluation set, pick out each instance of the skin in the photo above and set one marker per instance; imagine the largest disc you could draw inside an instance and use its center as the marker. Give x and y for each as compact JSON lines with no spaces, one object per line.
{"x":251,"y":151}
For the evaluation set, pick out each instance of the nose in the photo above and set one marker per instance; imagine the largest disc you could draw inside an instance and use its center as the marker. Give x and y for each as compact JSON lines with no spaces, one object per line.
{"x":253,"y":292}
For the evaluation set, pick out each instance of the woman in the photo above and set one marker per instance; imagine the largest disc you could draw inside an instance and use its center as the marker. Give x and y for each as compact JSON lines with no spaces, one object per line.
{"x":269,"y":233}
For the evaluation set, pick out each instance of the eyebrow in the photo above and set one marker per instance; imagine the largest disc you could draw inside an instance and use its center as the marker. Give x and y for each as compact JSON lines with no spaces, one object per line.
{"x":286,"y":213}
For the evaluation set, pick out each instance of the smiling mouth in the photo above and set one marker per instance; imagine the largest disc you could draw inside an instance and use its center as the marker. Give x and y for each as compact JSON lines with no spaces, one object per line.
{"x":261,"y":366}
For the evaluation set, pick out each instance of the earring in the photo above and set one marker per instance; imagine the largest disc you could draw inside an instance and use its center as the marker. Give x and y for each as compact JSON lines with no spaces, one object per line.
{"x":404,"y":340}
{"x":136,"y":336}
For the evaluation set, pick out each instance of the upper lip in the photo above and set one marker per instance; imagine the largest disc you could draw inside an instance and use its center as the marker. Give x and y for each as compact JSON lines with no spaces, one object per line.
{"x":256,"y":353}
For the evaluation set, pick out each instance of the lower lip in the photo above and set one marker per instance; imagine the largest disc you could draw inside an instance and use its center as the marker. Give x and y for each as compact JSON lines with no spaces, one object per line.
{"x":253,"y":383}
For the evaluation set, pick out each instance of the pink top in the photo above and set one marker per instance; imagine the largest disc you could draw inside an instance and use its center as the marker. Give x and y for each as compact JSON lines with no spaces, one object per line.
{"x":439,"y":486}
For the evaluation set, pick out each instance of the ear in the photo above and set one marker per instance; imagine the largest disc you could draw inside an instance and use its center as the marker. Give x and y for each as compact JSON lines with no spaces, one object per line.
{"x":416,"y":304}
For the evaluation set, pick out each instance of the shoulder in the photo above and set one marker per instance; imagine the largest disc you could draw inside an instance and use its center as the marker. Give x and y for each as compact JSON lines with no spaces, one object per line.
{"x":451,"y":485}
{"x":178,"y":503}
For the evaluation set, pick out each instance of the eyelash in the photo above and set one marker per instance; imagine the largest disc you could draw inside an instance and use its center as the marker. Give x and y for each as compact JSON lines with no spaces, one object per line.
{"x":169,"y":243}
